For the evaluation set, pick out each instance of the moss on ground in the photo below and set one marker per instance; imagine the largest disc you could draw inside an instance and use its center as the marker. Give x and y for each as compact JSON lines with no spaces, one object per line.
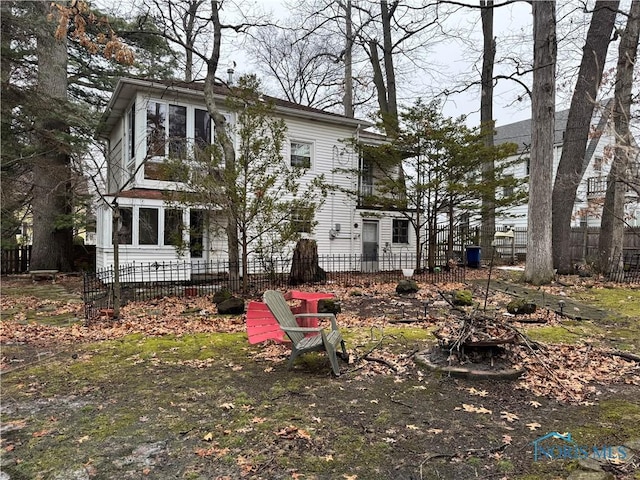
{"x":624,"y":301}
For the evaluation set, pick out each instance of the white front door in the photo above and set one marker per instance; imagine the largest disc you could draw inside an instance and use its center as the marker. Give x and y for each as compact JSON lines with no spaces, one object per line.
{"x":370,"y":243}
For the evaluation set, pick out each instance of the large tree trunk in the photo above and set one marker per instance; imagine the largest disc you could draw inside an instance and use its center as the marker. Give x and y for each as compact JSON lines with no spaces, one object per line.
{"x":570,"y":168}
{"x":304,"y":265}
{"x":539,"y":266}
{"x":348,"y":62}
{"x":226,"y":143}
{"x":52,"y":191}
{"x":487,"y":212}
{"x":611,"y":240}
{"x":391,"y":115}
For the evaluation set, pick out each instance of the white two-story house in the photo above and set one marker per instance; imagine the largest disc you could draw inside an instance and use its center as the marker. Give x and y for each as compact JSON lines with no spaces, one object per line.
{"x":139,"y":111}
{"x":587,"y":209}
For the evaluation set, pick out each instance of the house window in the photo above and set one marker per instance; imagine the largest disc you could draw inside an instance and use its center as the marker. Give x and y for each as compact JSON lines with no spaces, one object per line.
{"x":366,"y":179}
{"x":131,"y":133}
{"x":301,"y":154}
{"x":125,"y":226}
{"x":400,"y":231}
{"x":156,"y":125}
{"x":148,"y":226}
{"x":173,"y":227}
{"x":301,"y":219}
{"x":177,"y":131}
{"x":508,"y":190}
{"x":202,"y":132}
{"x":597,"y":164}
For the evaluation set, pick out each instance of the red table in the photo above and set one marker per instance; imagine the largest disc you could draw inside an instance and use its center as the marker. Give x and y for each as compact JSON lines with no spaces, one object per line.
{"x":308,"y":304}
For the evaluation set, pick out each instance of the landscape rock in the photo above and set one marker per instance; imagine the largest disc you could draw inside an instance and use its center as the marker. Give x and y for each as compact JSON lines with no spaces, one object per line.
{"x":329,"y":305}
{"x":463,"y":298}
{"x":407,"y":286}
{"x":221,"y":295}
{"x":521,"y":306}
{"x":231,"y":306}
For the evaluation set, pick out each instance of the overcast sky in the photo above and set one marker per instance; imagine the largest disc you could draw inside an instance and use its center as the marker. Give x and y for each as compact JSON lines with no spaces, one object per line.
{"x":449,"y":64}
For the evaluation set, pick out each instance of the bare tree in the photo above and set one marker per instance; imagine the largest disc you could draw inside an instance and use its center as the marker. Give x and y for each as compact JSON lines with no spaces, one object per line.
{"x":539,"y":266}
{"x":612,"y":224}
{"x":186,"y":23}
{"x":487,"y":211}
{"x":305,"y":67}
{"x":573,"y":160}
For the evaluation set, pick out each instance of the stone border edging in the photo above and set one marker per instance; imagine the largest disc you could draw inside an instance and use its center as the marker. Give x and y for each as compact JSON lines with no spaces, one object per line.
{"x":504,"y":374}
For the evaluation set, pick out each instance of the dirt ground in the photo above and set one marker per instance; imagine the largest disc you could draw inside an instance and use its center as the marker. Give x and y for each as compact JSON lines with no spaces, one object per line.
{"x":175,"y":392}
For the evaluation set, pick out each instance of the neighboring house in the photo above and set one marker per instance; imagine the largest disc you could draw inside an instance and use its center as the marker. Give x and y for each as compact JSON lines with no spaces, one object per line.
{"x":590,"y":194}
{"x":141,"y":110}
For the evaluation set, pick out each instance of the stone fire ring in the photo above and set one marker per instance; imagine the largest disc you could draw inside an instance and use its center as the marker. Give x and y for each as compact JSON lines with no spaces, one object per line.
{"x":422,"y":359}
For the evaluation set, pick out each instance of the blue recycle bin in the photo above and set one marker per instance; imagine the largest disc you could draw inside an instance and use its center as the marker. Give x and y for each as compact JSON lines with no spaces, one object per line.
{"x":474,"y":253}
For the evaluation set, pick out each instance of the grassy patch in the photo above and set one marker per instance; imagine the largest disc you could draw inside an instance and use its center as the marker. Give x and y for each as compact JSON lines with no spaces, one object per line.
{"x":624,"y":301}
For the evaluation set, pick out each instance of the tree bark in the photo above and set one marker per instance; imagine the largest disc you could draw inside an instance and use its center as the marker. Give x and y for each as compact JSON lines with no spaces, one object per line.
{"x":539,"y":266}
{"x":391,"y":114}
{"x":570,"y":168}
{"x":487,"y":212}
{"x":52,"y":199}
{"x":304,"y":264}
{"x":226,"y":143}
{"x":611,"y":242}
{"x":348,"y":62}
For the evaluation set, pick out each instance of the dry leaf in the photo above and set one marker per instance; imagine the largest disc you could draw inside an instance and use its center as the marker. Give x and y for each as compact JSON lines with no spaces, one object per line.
{"x":208,"y":437}
{"x":412,"y":427}
{"x":227,"y":406}
{"x":535,"y":404}
{"x":480,"y":393}
{"x":435,"y":431}
{"x":506,"y":439}
{"x":509,"y":417}
{"x":533,"y":426}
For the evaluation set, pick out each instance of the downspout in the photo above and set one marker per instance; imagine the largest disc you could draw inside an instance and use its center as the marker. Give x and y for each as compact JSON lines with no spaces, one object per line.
{"x":357,"y":186}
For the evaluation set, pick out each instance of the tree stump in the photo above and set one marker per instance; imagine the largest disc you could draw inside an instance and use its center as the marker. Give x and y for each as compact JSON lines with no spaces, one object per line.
{"x":304,"y":265}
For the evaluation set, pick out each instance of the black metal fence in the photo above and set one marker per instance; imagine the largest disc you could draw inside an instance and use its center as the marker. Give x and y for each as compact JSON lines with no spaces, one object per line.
{"x":145,"y":281}
{"x":627,"y":268}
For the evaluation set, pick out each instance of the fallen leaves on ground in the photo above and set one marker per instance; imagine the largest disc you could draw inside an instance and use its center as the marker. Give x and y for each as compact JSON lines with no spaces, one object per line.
{"x":569,"y":373}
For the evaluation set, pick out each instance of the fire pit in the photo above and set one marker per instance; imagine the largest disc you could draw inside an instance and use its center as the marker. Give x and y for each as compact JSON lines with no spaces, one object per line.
{"x":472,"y":347}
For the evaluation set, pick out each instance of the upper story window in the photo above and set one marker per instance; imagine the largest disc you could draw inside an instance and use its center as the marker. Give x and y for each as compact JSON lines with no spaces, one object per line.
{"x":597,"y":164}
{"x":301,"y":154}
{"x":177,"y":131}
{"x":171,"y":129}
{"x":131,"y":133}
{"x":156,"y":128}
{"x":366,"y":178}
{"x":507,"y":189}
{"x":202,"y":128}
